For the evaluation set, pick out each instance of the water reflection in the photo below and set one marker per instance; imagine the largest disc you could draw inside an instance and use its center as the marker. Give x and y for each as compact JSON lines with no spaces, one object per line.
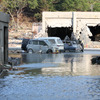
{"x":59,"y":64}
{"x":72,"y":64}
{"x":53,"y":77}
{"x":41,"y":58}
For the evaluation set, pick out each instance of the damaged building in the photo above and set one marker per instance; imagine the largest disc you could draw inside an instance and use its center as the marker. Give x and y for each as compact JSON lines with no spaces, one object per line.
{"x":4,"y":21}
{"x":81,"y":25}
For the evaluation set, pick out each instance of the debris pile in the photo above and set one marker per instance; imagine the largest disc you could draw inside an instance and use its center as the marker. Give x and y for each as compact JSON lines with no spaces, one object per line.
{"x":96,"y":60}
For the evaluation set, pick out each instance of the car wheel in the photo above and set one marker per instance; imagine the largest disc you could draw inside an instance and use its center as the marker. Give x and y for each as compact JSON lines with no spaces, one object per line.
{"x":49,"y":51}
{"x":30,"y":51}
{"x":82,"y":50}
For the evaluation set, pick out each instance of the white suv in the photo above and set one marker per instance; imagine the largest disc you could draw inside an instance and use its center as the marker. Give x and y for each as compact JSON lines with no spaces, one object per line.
{"x":40,"y":45}
{"x":55,"y":41}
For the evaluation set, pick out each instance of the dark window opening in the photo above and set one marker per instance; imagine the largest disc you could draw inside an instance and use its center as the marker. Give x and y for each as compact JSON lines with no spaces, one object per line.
{"x":59,"y":32}
{"x":5,"y":45}
{"x":95,"y":30}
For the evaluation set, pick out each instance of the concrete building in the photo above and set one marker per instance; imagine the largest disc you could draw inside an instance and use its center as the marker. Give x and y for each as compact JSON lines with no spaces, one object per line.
{"x":4,"y":20}
{"x":83,"y":25}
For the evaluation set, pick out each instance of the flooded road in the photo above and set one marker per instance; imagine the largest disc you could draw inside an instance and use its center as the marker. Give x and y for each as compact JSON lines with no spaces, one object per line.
{"x":65,"y":76}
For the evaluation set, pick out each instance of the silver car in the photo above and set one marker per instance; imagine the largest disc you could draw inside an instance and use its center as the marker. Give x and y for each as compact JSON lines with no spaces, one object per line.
{"x":72,"y":46}
{"x":41,"y":46}
{"x":55,"y":41}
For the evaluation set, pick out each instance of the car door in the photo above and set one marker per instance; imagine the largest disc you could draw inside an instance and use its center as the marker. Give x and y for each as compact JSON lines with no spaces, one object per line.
{"x":35,"y":46}
{"x":43,"y":46}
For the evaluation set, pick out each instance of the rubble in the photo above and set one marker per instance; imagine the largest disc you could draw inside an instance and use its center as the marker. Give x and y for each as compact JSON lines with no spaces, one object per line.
{"x":72,"y":22}
{"x":12,"y":61}
{"x":96,"y":60}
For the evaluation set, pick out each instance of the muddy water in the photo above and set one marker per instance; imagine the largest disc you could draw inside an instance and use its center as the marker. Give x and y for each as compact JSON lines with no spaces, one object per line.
{"x":65,"y":76}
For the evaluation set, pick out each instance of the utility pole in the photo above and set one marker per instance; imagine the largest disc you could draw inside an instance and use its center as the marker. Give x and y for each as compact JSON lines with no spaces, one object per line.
{"x":91,"y":7}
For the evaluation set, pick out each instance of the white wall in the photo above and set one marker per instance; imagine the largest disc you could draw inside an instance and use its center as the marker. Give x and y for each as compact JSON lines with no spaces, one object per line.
{"x":78,"y":20}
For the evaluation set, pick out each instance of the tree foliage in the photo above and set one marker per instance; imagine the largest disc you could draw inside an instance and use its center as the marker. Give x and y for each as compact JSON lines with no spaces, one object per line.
{"x":96,"y":7}
{"x":17,"y":7}
{"x":32,"y":4}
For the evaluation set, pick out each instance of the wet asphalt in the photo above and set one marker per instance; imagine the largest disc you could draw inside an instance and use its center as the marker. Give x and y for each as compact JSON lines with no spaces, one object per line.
{"x":64,"y":76}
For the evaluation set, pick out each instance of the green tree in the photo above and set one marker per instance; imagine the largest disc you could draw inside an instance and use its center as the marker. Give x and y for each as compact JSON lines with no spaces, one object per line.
{"x":35,"y":7}
{"x":14,"y":8}
{"x":52,"y":4}
{"x":42,"y":5}
{"x":73,"y":5}
{"x":96,"y":7}
{"x":32,"y":4}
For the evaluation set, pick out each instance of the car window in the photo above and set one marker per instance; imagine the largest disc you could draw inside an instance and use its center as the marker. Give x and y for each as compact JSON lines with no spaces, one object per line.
{"x":59,"y":41}
{"x":30,"y":42}
{"x":74,"y":42}
{"x":52,"y":41}
{"x":42,"y":43}
{"x":48,"y":42}
{"x":35,"y":42}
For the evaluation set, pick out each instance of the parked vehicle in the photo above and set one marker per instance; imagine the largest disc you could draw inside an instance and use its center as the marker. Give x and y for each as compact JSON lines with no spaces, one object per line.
{"x":55,"y":41}
{"x":24,"y":44}
{"x":42,"y":46}
{"x":73,"y":46}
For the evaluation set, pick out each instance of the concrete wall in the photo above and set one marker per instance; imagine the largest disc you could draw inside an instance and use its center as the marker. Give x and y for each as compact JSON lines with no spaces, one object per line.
{"x":4,"y":21}
{"x":78,"y":20}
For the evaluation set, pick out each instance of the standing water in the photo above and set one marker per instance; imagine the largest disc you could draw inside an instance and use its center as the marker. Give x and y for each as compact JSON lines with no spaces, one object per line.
{"x":65,"y":76}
